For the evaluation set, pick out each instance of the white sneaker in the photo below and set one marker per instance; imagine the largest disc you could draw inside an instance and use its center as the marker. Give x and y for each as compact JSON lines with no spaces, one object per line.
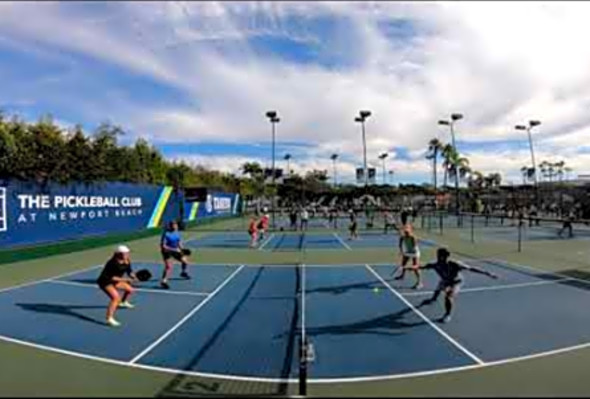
{"x":446,"y":319}
{"x":126,"y":305}
{"x":112,"y":322}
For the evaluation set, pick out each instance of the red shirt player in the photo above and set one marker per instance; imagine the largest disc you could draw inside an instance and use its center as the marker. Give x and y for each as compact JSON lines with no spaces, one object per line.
{"x":263,"y":225}
{"x":253,"y":231}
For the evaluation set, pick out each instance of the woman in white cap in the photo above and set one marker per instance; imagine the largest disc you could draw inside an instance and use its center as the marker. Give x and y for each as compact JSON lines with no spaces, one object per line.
{"x":112,"y":279}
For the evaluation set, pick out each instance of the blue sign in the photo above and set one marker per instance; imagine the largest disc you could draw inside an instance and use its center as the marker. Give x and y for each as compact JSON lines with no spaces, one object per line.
{"x":33,"y":214}
{"x":216,"y":205}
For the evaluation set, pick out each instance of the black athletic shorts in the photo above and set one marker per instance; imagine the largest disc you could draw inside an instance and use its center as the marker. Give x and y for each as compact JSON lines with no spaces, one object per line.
{"x":172,"y":254}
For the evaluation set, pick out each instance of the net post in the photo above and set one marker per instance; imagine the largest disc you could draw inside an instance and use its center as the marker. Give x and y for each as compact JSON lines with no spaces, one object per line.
{"x":440,"y":223}
{"x":472,"y":229}
{"x":520,"y":222}
{"x":302,"y":367}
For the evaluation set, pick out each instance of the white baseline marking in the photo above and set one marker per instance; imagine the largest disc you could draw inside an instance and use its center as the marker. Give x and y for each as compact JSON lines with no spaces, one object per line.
{"x":426,"y":319}
{"x":345,"y":245}
{"x":165,"y":292}
{"x":266,"y":242}
{"x":291,"y":380}
{"x":497,"y":287}
{"x":185,"y":318}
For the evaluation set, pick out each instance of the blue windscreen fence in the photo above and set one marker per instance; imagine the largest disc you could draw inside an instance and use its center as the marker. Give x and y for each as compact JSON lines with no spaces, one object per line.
{"x":33,"y":214}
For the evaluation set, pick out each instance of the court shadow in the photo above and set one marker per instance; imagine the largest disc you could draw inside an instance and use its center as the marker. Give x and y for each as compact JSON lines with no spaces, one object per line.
{"x":65,"y":310}
{"x":182,"y":385}
{"x":582,"y":278}
{"x":341,"y":289}
{"x":388,"y":325}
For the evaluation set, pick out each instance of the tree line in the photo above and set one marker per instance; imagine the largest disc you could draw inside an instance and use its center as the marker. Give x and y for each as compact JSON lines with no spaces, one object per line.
{"x":43,"y":152}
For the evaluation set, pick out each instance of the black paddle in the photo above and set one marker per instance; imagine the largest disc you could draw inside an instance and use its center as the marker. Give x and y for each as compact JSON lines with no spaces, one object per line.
{"x":143,"y":275}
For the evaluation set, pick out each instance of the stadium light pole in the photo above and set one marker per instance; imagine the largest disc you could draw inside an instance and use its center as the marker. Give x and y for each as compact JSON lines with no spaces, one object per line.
{"x":391,"y":172}
{"x":382,"y":158}
{"x":287,"y":158}
{"x":274,"y":119}
{"x":363,"y":115}
{"x":451,"y":124}
{"x":334,"y":157}
{"x":532,"y":124}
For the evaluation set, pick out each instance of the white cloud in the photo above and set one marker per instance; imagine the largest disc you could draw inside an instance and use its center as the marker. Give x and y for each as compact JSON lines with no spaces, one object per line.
{"x":499,"y":63}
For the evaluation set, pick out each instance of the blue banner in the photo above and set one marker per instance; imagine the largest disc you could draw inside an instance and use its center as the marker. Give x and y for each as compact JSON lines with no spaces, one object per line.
{"x":38,"y":214}
{"x":217,"y":204}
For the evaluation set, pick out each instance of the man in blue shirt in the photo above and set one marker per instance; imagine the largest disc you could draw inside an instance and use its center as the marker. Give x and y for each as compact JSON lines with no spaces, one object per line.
{"x":171,"y":247}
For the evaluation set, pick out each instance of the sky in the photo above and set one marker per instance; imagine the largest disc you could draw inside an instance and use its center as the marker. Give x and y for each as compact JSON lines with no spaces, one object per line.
{"x":196,"y":79}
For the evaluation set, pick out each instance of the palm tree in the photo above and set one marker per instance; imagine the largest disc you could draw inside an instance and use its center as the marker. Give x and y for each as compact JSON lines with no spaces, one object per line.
{"x":458,"y":166}
{"x":476,"y":179}
{"x":458,"y":169}
{"x":255,"y":186}
{"x":525,"y":172}
{"x":496,"y":179}
{"x":551,"y":170}
{"x":446,"y":153}
{"x":434,"y":147}
{"x":287,"y":158}
{"x":544,"y":166}
{"x":253,"y":169}
{"x":559,"y":169}
{"x":464,"y":168}
{"x":567,"y":171}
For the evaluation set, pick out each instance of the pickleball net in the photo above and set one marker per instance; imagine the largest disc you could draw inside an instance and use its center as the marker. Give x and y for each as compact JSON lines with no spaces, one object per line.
{"x":303,"y":339}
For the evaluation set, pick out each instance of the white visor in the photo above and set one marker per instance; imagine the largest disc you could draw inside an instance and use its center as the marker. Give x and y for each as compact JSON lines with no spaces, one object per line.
{"x":122,"y":249}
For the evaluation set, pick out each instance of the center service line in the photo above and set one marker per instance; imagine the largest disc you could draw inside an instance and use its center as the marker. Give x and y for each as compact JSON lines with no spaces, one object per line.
{"x":184,"y":319}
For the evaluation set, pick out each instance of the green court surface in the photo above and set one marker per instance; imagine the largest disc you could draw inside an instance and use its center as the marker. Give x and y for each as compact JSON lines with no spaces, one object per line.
{"x":31,"y":371}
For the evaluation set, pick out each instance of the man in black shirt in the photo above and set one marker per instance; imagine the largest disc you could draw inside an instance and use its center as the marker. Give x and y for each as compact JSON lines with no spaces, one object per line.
{"x":404,"y":216}
{"x":451,"y":279}
{"x":567,"y":225}
{"x":112,"y":279}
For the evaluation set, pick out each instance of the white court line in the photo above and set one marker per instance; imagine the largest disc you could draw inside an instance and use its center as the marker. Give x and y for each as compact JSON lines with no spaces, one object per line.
{"x":165,"y":292}
{"x":313,"y":381}
{"x":37,"y":282}
{"x":185,"y":318}
{"x":345,"y":245}
{"x":516,"y":266}
{"x":426,"y":319}
{"x":496,"y":287}
{"x":266,"y":242}
{"x":291,"y":380}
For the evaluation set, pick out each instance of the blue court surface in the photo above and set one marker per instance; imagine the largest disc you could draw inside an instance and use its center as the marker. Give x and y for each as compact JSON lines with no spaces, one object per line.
{"x":243,"y":322}
{"x":277,"y":242}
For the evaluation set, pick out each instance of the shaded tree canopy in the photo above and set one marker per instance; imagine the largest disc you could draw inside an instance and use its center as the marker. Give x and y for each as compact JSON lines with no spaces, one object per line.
{"x":43,"y":151}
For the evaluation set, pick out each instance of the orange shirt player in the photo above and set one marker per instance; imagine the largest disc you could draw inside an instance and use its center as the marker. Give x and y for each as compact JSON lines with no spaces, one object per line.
{"x":253,"y":231}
